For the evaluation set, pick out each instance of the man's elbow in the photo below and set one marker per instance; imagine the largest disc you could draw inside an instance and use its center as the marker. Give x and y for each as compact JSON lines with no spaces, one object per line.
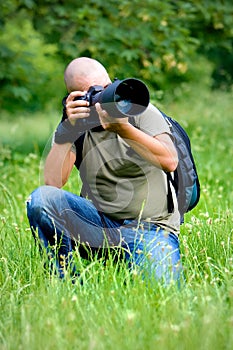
{"x":172,"y":168}
{"x":51,"y":181}
{"x":170,"y":165}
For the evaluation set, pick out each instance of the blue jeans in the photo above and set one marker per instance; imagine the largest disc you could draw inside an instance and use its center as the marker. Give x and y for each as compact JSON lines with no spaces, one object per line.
{"x":62,"y":218}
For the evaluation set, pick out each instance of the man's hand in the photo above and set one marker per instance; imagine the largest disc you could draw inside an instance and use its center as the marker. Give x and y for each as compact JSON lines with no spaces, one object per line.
{"x":76,"y":109}
{"x":109,"y":123}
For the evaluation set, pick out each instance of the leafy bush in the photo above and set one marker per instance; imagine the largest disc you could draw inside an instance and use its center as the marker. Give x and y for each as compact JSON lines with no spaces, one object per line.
{"x":157,"y":42}
{"x":31,"y":75}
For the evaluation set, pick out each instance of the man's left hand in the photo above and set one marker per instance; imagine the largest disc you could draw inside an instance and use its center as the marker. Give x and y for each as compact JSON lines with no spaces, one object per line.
{"x":109,"y":123}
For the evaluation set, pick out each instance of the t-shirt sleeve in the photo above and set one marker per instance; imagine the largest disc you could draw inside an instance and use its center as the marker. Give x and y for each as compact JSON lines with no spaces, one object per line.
{"x":152,"y":122}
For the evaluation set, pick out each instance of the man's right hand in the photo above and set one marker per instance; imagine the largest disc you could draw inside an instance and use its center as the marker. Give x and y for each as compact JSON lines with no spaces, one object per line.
{"x":75,"y":108}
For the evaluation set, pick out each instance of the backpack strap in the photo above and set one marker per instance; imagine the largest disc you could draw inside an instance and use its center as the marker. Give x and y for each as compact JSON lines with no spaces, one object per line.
{"x":85,"y":190}
{"x":79,"y":150}
{"x":170,"y":202}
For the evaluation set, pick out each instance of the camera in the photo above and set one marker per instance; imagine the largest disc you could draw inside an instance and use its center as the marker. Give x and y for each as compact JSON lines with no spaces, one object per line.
{"x":120,"y":99}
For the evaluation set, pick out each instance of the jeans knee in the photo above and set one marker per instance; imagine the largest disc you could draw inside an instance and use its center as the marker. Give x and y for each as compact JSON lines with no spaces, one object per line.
{"x":40,"y":199}
{"x":33,"y":205}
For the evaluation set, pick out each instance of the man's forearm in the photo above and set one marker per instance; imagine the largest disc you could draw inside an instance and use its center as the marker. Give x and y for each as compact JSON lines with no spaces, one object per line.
{"x":58,"y":165}
{"x":158,"y":150}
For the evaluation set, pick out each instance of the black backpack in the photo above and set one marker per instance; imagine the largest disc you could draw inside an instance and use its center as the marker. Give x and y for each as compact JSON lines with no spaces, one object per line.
{"x":184,"y":179}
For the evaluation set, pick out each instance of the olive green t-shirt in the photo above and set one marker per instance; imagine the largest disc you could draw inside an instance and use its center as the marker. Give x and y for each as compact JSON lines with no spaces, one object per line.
{"x":121,"y":182}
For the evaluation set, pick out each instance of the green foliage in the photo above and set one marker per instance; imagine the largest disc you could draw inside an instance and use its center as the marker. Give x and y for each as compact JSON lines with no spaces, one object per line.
{"x":30,"y":75}
{"x":157,"y":42}
{"x":213,"y":26}
{"x":150,"y":41}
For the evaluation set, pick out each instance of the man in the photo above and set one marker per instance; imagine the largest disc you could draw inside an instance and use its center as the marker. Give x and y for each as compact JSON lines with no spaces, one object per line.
{"x":124,"y":198}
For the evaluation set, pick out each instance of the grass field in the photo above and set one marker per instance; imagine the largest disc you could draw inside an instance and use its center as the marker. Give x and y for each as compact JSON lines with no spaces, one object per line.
{"x":112,"y":309}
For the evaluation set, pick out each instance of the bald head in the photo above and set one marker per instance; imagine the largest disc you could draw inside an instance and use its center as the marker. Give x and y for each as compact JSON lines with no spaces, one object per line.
{"x":83,"y":72}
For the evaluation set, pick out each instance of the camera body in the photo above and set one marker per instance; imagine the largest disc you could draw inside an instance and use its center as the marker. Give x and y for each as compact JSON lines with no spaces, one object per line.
{"x":121,"y":99}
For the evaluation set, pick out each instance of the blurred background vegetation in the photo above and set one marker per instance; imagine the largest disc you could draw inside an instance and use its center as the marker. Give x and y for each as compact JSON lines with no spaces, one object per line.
{"x":161,"y":43}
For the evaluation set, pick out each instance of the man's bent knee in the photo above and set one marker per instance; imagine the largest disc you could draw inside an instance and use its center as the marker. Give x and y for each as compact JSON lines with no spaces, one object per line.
{"x":42,"y":198}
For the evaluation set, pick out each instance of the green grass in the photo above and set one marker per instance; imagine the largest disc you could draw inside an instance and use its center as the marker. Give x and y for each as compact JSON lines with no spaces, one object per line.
{"x":114,"y":310}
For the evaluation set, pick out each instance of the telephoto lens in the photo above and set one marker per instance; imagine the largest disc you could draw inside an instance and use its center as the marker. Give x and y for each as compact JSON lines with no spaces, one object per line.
{"x":123,"y":98}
